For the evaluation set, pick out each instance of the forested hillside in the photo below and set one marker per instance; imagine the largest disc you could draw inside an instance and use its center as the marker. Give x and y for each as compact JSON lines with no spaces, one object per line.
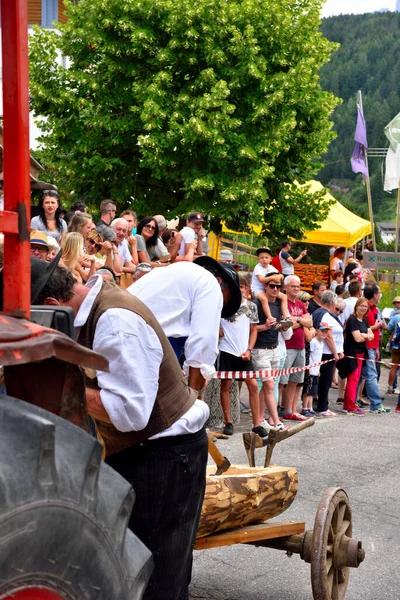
{"x":368,"y":60}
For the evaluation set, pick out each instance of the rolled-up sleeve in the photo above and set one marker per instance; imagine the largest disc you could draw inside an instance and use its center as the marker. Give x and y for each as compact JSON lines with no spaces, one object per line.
{"x":393,"y":322}
{"x":134,"y":353}
{"x":201,"y":349}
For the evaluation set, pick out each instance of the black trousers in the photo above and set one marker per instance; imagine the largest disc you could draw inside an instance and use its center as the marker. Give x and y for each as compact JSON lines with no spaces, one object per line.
{"x":168,"y":476}
{"x":325,"y":381}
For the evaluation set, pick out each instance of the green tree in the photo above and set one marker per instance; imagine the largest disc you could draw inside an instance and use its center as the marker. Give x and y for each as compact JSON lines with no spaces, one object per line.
{"x":182,"y":104}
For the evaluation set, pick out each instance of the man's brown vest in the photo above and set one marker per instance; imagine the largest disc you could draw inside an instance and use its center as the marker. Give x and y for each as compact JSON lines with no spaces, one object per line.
{"x":174,"y":397}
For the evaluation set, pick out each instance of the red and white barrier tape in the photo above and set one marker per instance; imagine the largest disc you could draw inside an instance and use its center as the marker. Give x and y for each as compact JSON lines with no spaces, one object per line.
{"x":278,"y":372}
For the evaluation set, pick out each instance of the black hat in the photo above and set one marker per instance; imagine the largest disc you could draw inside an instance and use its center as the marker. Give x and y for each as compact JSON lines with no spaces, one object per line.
{"x":195,"y":217}
{"x":229,"y":275}
{"x":41,"y":271}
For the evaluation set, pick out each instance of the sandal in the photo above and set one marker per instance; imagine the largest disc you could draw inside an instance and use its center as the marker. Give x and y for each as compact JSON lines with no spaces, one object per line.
{"x":363,"y":403}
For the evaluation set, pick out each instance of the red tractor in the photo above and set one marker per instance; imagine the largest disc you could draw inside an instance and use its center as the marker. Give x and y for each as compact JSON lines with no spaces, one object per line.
{"x":63,"y":512}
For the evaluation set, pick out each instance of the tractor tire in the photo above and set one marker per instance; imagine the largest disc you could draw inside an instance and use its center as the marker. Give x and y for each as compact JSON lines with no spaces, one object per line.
{"x":63,"y":514}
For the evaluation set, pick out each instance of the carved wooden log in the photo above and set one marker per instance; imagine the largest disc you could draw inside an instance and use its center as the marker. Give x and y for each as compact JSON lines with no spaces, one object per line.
{"x":244,"y":495}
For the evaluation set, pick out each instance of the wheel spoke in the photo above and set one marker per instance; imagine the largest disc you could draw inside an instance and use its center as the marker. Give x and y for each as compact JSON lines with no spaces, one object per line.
{"x":340,"y":516}
{"x":344,"y":527}
{"x":341,"y":576}
{"x":331,"y":534}
{"x":329,"y":549}
{"x":330,"y":581}
{"x":335,"y":586}
{"x":328,"y":564}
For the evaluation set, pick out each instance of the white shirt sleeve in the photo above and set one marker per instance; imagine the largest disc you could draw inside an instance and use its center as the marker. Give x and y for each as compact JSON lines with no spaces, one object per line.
{"x":201,"y":348}
{"x":188,"y":235}
{"x":134,"y":352}
{"x":124,"y":252}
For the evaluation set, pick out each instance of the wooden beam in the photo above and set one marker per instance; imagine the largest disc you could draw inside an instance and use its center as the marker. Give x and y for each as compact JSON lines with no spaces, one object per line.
{"x":253,"y":533}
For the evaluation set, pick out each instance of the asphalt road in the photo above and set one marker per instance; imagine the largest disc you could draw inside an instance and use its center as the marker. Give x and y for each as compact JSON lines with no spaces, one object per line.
{"x":362,"y":455}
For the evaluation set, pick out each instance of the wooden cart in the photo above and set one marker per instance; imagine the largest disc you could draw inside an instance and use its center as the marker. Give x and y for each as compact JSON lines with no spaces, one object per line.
{"x":239,"y":503}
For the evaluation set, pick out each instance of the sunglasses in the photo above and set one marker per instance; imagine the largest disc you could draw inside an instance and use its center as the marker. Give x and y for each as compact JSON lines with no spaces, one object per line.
{"x":339,"y":310}
{"x":274,"y":286}
{"x":93,"y":243}
{"x":41,"y":248}
{"x":151,"y":227}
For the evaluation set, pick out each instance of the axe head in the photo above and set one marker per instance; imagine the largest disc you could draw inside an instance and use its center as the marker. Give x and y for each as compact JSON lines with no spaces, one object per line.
{"x":224,"y":467}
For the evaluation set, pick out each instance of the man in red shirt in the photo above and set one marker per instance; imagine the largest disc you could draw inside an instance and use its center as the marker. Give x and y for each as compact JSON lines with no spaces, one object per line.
{"x":373,"y":294}
{"x":296,"y":355}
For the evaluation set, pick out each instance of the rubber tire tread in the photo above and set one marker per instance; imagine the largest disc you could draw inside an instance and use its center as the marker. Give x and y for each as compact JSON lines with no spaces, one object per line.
{"x":63,"y":512}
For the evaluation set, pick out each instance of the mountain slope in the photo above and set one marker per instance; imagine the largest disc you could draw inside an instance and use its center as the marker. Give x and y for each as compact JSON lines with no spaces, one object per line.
{"x":368,"y":60}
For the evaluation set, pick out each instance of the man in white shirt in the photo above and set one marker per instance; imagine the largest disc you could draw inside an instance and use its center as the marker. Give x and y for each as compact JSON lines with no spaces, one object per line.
{"x":121,"y":228}
{"x":355,"y":291}
{"x":188,"y":302}
{"x":149,"y":440}
{"x":192,"y":231}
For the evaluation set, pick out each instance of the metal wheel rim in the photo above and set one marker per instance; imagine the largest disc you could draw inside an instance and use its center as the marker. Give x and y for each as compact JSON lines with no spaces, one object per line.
{"x":333,"y":519}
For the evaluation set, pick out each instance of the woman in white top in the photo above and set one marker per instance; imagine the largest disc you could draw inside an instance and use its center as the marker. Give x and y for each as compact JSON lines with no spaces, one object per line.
{"x":48,"y":219}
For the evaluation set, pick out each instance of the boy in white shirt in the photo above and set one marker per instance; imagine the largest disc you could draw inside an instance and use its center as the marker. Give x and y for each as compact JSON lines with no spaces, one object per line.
{"x":264,"y":273}
{"x":238,"y":335}
{"x":316,"y":351}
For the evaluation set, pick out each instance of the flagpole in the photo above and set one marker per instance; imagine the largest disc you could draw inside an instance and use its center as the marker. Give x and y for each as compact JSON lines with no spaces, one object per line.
{"x":367,"y":183}
{"x":396,"y":246}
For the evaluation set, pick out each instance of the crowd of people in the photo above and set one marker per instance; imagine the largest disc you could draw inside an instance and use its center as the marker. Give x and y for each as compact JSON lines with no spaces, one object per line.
{"x":277,"y":326}
{"x":120,"y":244}
{"x":183,"y":317}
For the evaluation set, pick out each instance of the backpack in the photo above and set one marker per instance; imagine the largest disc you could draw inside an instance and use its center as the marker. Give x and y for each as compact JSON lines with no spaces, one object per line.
{"x":396,"y":337}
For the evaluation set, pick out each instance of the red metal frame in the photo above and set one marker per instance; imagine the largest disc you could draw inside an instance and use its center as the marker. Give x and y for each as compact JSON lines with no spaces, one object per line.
{"x":34,"y":594}
{"x":15,"y":219}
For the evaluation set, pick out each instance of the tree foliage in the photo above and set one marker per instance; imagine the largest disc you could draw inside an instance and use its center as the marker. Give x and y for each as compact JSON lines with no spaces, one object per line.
{"x":187,"y":104}
{"x":367,"y":60}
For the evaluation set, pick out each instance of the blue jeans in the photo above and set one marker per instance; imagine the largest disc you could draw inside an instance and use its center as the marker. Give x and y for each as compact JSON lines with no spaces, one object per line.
{"x":371,"y":378}
{"x":178,"y":345}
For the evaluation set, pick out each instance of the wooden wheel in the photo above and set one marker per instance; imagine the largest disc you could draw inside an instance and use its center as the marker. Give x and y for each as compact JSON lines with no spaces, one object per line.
{"x":333,"y":551}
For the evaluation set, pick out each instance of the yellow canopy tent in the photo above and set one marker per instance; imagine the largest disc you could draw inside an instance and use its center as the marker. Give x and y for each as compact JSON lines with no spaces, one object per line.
{"x":340,"y":228}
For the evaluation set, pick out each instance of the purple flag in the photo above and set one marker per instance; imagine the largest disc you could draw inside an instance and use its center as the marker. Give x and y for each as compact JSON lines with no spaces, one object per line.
{"x":358,"y":158}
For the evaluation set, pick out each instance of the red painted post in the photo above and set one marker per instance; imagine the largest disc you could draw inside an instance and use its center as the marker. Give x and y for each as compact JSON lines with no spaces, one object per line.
{"x":16,"y":159}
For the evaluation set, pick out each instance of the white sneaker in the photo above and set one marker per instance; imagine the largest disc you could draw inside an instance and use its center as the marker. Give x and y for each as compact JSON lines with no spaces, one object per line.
{"x":266,"y":425}
{"x":279,"y":427}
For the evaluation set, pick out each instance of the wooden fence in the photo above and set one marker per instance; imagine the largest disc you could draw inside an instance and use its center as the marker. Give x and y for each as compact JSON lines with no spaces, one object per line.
{"x":245,"y":256}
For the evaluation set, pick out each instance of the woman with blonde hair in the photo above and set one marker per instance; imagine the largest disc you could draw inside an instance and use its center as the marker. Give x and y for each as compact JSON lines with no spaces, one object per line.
{"x":73,"y":257}
{"x":80,"y":223}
